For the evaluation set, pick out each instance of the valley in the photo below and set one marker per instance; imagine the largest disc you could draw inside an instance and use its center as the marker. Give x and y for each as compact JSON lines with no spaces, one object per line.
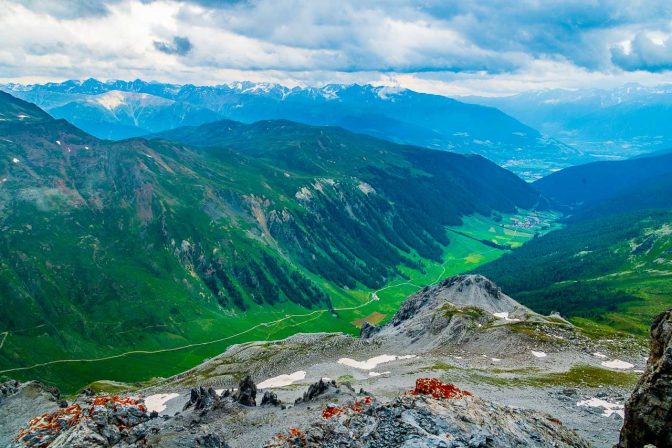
{"x":268,"y":323}
{"x":300,"y":224}
{"x":610,"y":266}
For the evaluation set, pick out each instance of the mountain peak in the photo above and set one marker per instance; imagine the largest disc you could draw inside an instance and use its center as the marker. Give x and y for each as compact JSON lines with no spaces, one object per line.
{"x":461,"y":291}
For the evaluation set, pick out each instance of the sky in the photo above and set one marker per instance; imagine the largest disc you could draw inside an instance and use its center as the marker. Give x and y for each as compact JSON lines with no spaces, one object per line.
{"x":452,"y":47}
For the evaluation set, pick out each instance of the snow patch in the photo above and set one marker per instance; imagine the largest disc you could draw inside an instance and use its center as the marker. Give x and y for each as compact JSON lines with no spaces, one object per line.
{"x":539,"y":354}
{"x":158,"y":402}
{"x":609,"y":408}
{"x":378,"y":373}
{"x":15,"y":160}
{"x":505,"y":315}
{"x":58,"y":142}
{"x":282,"y":380}
{"x":111,"y":100}
{"x":371,"y":363}
{"x":304,"y":194}
{"x":617,"y":364}
{"x":599,"y":355}
{"x":495,"y":359}
{"x":365,"y":188}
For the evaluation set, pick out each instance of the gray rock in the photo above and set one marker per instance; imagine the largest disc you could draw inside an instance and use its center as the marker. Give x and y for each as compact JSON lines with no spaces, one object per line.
{"x":423,"y":422}
{"x":368,"y":330}
{"x":317,"y":389}
{"x":201,"y":398}
{"x":270,"y":399}
{"x":210,"y":441}
{"x":648,"y":412}
{"x":246,"y":393}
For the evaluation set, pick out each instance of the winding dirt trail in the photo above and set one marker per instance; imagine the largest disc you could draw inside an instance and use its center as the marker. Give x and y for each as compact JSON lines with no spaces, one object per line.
{"x":372,"y":298}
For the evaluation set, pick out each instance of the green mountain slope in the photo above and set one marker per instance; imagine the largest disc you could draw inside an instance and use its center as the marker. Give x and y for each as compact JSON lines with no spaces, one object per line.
{"x":592,"y":183}
{"x":612,"y":263}
{"x":111,"y":247}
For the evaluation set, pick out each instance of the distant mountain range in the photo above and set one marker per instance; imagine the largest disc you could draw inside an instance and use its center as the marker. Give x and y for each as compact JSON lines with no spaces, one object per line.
{"x":145,"y":244}
{"x":620,"y":122}
{"x":120,"y":109}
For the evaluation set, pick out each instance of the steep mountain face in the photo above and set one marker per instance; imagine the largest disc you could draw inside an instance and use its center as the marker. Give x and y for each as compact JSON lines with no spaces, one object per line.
{"x":400,"y":115}
{"x":147,"y":244}
{"x":620,"y":122}
{"x":118,"y":115}
{"x":612,"y":261}
{"x":648,"y":412}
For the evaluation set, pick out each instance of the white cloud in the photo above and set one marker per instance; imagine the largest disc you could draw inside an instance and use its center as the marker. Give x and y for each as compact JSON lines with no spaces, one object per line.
{"x":648,"y":51}
{"x":450,"y":46}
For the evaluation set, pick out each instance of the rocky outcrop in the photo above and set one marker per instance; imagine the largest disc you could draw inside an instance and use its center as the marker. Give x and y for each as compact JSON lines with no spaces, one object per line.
{"x":451,"y":313}
{"x":246,"y":393}
{"x":270,"y":399}
{"x":428,"y":417}
{"x":100,"y":422}
{"x":368,"y":330}
{"x":648,"y":412}
{"x":319,"y":389}
{"x":21,"y":402}
{"x":460,"y":291}
{"x":201,"y":398}
{"x":8,"y":388}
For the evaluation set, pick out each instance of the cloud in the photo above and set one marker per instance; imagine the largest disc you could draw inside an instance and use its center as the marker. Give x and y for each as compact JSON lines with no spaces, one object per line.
{"x":179,"y":46}
{"x":68,"y":9}
{"x":647,"y":52}
{"x":434,"y":44}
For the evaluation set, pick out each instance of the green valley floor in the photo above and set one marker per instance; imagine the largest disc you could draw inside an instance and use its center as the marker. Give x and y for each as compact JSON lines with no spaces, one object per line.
{"x":477,"y":241}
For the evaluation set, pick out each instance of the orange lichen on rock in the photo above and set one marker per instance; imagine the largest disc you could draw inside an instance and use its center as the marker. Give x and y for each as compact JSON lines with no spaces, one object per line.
{"x":294,"y":435}
{"x":437,"y":389}
{"x":44,"y":428}
{"x":356,"y":407}
{"x":332,"y":411}
{"x":123,"y":413}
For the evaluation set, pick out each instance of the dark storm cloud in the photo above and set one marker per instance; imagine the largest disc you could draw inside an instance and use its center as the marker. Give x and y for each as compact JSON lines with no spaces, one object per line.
{"x":179,"y":46}
{"x":495,"y":35}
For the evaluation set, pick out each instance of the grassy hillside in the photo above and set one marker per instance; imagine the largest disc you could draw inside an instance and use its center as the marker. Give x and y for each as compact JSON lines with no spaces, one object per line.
{"x":590,"y":184}
{"x":162,"y":254}
{"x":612,"y":263}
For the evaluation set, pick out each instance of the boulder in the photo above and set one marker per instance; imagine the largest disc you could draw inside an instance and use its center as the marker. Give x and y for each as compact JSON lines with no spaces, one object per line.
{"x":211,"y":441}
{"x":648,"y":412}
{"x":270,"y":399}
{"x":246,"y":393}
